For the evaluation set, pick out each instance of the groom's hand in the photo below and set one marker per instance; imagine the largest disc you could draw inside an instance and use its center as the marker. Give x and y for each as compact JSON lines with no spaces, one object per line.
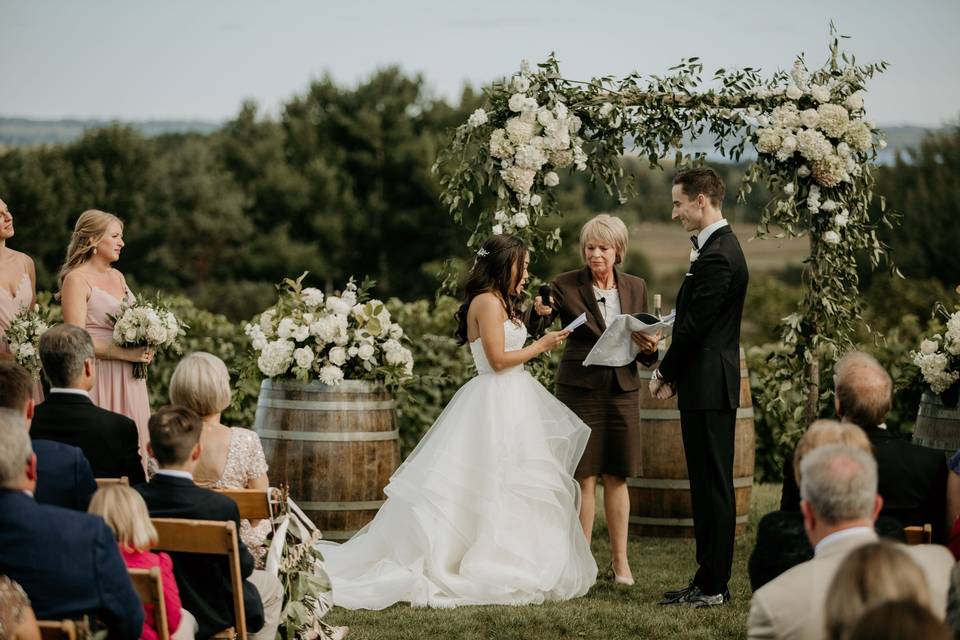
{"x":665,"y":392}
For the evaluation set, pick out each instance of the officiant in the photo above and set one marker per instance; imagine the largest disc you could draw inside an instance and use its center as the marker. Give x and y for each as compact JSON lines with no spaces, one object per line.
{"x":606,"y":398}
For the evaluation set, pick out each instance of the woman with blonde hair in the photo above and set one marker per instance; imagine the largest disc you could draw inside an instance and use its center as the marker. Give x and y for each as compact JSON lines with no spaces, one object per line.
{"x":869,"y":576}
{"x":91,"y":291}
{"x":125,"y":512}
{"x":607,"y":399}
{"x":231,"y":457}
{"x":18,"y":286}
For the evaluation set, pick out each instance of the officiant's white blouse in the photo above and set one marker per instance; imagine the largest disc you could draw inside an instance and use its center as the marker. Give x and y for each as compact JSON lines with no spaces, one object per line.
{"x":610,"y":307}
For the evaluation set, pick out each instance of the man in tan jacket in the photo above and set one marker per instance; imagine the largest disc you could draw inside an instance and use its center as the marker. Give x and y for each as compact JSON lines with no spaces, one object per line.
{"x":839,"y":502}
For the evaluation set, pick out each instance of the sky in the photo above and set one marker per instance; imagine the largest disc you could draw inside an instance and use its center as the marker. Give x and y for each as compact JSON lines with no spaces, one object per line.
{"x":198,"y":59}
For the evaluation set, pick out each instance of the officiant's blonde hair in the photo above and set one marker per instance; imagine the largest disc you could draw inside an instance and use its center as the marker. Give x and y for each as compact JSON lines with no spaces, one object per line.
{"x":606,"y":229}
{"x":125,"y":512}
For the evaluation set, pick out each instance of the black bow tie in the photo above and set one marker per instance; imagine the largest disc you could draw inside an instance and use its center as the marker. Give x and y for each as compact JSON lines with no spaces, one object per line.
{"x":696,"y":242}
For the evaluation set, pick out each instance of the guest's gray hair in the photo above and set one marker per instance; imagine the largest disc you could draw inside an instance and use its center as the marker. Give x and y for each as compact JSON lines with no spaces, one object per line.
{"x":63,"y":350}
{"x":839,"y":482}
{"x":15,"y":447}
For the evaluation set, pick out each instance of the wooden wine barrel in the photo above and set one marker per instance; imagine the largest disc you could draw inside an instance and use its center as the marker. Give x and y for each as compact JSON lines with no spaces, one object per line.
{"x":335,"y":447}
{"x":660,"y":503}
{"x":938,"y":425}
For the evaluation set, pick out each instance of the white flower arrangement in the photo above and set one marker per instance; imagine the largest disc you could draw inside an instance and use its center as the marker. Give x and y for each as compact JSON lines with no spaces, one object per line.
{"x":23,"y":336}
{"x":939,"y":356}
{"x":310,"y":337}
{"x":147,"y":324}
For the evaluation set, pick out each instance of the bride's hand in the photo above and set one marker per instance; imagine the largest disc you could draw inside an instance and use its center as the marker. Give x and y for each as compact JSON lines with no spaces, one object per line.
{"x":552,"y":339}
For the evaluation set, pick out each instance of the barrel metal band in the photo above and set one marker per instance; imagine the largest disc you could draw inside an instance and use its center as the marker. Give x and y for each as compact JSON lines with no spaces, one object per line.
{"x":330,"y":436}
{"x":933,"y":443}
{"x":317,"y":405}
{"x":938,"y":412}
{"x":672,"y":522}
{"x":674,"y":414}
{"x":356,"y":505}
{"x":338,"y":535}
{"x":680,"y":484}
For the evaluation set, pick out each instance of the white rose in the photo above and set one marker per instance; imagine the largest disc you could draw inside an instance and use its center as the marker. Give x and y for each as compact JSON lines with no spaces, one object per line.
{"x":546,"y":118}
{"x":928,"y":347}
{"x":854,"y":101}
{"x":365,"y":351}
{"x":312,"y":297}
{"x":820,"y":93}
{"x":831,"y":237}
{"x":517,"y":102}
{"x":337,"y":356}
{"x":130,"y":335}
{"x":520,"y":220}
{"x":331,"y":375}
{"x":521,"y":84}
{"x":396,"y":331}
{"x":551,"y":179}
{"x":809,"y":118}
{"x":301,"y":332}
{"x":338,"y":305}
{"x":303,"y":357}
{"x":285,"y":328}
{"x":794,"y":92}
{"x":497,"y":230}
{"x":534,"y":201}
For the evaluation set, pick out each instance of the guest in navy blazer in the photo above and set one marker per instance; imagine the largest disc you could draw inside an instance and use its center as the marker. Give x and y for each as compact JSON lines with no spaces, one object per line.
{"x":64,"y":477}
{"x":66,"y":561}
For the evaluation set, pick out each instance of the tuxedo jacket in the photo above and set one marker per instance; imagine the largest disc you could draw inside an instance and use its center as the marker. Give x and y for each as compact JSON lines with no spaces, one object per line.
{"x":912,"y":482}
{"x":68,"y":563}
{"x":791,"y":607}
{"x":109,"y":440}
{"x":204,"y":580}
{"x":64,"y":478}
{"x":572,"y":294}
{"x":703,"y":361}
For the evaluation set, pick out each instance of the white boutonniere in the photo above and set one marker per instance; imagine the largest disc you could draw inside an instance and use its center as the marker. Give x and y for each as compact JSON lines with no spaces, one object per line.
{"x":694,"y":254}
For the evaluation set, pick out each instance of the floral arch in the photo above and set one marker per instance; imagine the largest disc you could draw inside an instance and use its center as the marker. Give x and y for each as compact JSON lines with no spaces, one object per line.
{"x":815,"y":152}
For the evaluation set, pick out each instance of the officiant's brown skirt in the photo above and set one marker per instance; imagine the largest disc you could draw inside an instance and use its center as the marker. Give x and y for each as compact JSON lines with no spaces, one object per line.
{"x":613,"y":416}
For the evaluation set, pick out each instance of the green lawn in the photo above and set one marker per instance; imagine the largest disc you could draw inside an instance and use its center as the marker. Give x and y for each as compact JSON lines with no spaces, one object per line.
{"x":608,"y":611}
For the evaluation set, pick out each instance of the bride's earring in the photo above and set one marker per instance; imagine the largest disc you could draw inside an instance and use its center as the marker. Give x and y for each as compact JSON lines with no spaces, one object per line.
{"x":94,"y":251}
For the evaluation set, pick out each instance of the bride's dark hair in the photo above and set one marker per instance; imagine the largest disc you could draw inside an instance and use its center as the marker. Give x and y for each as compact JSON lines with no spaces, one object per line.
{"x":498,"y":269}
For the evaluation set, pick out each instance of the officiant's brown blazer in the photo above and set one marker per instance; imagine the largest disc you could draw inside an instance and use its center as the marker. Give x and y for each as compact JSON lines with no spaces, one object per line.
{"x":572,"y":293}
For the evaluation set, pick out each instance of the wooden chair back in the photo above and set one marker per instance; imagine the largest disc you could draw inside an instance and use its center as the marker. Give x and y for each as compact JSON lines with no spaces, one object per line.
{"x":57,"y":629}
{"x":211,"y":537}
{"x":103,"y":482}
{"x":919,"y":535}
{"x":148,"y":583}
{"x":254,"y":504}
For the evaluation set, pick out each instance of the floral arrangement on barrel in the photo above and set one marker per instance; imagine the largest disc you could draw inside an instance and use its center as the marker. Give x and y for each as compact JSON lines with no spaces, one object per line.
{"x":939,"y":358}
{"x":24,"y":333}
{"x":308,"y":336}
{"x":147,"y":323}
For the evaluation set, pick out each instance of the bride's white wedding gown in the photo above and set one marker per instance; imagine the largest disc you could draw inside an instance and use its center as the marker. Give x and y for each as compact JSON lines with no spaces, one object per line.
{"x":483,"y":511}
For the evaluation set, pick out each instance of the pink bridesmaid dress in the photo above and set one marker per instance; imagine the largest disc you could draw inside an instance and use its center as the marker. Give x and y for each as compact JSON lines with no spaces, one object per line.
{"x":116,"y":389}
{"x":10,"y":306}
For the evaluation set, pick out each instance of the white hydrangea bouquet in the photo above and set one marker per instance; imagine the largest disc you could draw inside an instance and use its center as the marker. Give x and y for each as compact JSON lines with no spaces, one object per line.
{"x":147,"y":323}
{"x":309,"y":336}
{"x":23,"y":336}
{"x":939,"y":356}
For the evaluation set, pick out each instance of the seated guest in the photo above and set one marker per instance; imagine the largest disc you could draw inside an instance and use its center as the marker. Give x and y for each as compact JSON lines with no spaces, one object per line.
{"x":838,"y":485}
{"x":64,"y":477}
{"x":899,"y":620}
{"x":953,"y":505}
{"x":17,"y":620}
{"x":869,"y":576}
{"x":66,"y":561}
{"x":231,"y":457}
{"x":110,"y":441}
{"x":781,"y":540}
{"x":953,"y":601}
{"x":913,"y":479}
{"x":204,"y":581}
{"x":123,"y":510}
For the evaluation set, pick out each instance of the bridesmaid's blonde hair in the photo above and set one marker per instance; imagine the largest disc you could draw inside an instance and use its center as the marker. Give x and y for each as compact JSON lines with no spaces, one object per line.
{"x":90,"y":227}
{"x":125,"y":512}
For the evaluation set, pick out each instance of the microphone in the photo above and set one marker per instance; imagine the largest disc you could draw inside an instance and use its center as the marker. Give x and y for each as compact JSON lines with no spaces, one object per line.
{"x":545,"y":294}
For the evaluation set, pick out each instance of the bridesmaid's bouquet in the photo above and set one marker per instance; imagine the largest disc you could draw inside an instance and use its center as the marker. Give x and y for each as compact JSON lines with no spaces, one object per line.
{"x":939,"y":356}
{"x":309,"y":336}
{"x":147,"y":324}
{"x":24,"y":333}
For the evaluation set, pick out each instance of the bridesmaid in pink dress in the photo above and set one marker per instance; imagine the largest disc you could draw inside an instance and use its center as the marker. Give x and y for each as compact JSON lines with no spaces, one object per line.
{"x":18,"y":285}
{"x":91,"y":291}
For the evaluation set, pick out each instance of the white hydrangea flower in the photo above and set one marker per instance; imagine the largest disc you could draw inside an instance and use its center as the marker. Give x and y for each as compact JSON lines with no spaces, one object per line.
{"x":551,"y":179}
{"x":518,"y":131}
{"x":477,"y":119}
{"x":500,"y":146}
{"x":518,"y":178}
{"x":820,"y":93}
{"x":828,"y":206}
{"x":573,"y":124}
{"x":858,"y":135}
{"x":785,"y":116}
{"x":830,"y":170}
{"x":810,"y":118}
{"x":854,"y":101}
{"x":812,"y":144}
{"x":26,"y":350}
{"x":331,"y":375}
{"x":546,"y":118}
{"x":813,"y":199}
{"x":794,"y":92}
{"x":530,"y":157}
{"x":312,"y":297}
{"x":834,"y":119}
{"x":768,"y":140}
{"x":338,"y":305}
{"x":275,"y":358}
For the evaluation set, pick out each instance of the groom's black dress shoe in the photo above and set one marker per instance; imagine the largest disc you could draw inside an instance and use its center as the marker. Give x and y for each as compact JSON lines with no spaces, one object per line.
{"x":692,"y":596}
{"x":676,"y":593}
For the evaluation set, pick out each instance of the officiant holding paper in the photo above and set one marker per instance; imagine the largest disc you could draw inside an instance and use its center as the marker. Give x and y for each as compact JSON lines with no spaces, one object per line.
{"x":606,"y":398}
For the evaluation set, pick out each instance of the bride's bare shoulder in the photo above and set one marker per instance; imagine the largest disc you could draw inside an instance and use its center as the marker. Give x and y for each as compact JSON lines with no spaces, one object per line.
{"x":486,"y":304}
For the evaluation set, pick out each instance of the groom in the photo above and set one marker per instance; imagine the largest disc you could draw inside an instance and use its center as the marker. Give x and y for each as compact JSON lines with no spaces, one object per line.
{"x":702,"y":367}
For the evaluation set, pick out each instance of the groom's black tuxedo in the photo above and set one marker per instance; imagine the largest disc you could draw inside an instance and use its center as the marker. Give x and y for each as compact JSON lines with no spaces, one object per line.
{"x":703,"y":364}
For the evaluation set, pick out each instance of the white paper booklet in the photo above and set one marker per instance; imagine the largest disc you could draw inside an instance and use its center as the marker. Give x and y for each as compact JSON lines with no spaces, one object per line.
{"x":615,"y":347}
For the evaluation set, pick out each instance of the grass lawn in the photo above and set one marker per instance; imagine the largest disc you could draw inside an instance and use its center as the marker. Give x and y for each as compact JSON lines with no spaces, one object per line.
{"x":609,"y":611}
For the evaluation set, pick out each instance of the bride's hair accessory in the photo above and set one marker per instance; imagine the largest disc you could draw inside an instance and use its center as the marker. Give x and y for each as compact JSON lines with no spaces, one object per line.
{"x":483,"y":253}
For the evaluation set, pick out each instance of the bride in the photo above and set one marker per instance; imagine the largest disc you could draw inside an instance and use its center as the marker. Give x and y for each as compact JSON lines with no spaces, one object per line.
{"x":485,"y":509}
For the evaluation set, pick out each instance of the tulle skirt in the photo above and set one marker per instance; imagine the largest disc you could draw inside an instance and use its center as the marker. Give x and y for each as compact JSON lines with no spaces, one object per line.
{"x":483,"y":511}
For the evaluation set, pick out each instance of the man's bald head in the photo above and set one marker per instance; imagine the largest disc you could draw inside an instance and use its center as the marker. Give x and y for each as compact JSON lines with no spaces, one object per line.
{"x":863,"y":389}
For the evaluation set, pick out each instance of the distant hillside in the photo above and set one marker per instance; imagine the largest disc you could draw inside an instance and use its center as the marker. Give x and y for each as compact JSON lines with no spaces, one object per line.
{"x":16,"y":132}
